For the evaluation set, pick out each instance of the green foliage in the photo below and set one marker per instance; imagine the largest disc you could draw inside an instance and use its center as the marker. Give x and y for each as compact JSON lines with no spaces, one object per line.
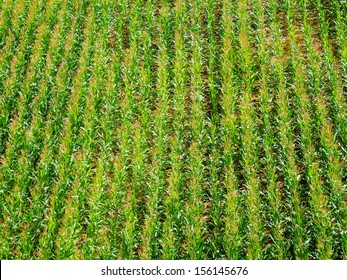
{"x":173,"y":129}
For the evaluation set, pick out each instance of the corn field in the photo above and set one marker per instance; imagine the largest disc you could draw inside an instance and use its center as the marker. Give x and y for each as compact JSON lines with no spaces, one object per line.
{"x":161,"y":129}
